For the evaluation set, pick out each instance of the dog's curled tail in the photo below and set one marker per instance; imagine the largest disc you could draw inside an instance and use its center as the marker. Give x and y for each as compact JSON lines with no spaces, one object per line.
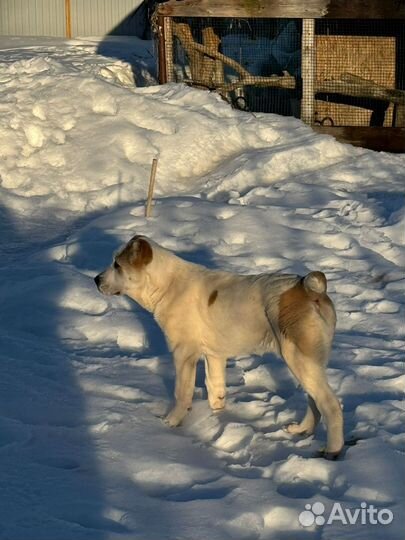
{"x":315,"y":282}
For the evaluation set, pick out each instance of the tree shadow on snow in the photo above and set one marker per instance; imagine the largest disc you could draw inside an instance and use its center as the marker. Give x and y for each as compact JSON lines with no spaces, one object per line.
{"x":48,"y":456}
{"x":49,"y":442}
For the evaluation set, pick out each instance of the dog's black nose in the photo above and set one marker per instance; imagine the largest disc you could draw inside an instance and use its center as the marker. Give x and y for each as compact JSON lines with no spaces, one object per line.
{"x":97,"y":280}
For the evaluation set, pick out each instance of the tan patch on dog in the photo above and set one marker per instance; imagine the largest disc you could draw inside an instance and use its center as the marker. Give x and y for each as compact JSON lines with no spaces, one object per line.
{"x":296,"y":306}
{"x":212,"y":297}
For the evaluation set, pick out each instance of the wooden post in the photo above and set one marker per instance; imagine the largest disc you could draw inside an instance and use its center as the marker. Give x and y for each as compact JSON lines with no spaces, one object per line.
{"x":195,"y":57}
{"x":212,"y":73}
{"x":161,"y":50}
{"x":168,"y":37}
{"x":400,"y":116}
{"x":165,"y":50}
{"x":68,"y":20}
{"x":148,"y":208}
{"x":308,"y":70}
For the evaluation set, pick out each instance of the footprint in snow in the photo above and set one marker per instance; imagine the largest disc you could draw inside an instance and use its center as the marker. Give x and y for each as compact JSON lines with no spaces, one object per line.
{"x":234,"y":437}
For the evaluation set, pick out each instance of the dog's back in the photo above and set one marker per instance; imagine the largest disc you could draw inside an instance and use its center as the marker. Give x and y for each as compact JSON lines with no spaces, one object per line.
{"x":250,"y":314}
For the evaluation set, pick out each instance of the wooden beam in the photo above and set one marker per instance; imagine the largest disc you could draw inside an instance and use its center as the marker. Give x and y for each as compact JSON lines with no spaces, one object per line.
{"x":162,"y":71}
{"x":382,"y":139}
{"x":212,"y":69}
{"x":308,"y":70}
{"x":353,"y":85}
{"x":399,"y":116}
{"x":169,"y":57}
{"x":164,"y":29}
{"x":195,"y":52}
{"x":286,"y":81}
{"x":308,"y":9}
{"x":183,"y":33}
{"x":68,"y":20}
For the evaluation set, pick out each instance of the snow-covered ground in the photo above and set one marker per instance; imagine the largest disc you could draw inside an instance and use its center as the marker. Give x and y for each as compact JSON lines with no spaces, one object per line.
{"x":85,"y":379}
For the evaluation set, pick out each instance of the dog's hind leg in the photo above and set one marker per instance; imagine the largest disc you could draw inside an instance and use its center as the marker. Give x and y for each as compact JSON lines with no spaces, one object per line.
{"x":310,"y":371}
{"x":309,"y":422}
{"x":215,"y":381}
{"x":185,"y":362}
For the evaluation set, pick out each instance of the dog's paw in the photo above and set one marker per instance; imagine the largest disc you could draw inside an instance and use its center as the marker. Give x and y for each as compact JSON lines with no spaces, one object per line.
{"x":171,"y":421}
{"x":295,"y":429}
{"x":217,"y":404}
{"x":175,"y":416}
{"x":330,"y":456}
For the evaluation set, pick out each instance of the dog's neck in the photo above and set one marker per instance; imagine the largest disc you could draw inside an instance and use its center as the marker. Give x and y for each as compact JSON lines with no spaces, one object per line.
{"x":156,"y":292}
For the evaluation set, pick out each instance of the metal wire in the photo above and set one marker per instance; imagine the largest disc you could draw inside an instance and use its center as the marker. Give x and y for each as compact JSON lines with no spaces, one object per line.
{"x":256,"y":64}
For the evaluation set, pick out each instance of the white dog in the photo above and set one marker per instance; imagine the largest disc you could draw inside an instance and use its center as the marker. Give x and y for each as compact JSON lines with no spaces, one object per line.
{"x":217,"y":315}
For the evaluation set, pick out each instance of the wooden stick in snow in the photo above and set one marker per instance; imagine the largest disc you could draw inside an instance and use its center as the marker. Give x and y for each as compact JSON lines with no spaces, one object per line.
{"x":148,"y":207}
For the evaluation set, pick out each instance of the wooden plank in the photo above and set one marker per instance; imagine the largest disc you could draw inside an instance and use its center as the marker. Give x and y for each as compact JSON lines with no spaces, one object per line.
{"x":308,"y":9}
{"x":308,"y":70}
{"x":386,"y":139}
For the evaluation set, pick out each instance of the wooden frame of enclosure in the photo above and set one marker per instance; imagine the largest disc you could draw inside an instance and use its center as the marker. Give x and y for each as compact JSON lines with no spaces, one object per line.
{"x":378,"y":138}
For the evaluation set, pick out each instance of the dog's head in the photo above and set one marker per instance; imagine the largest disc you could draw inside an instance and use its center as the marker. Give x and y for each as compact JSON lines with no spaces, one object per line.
{"x":127,"y":273}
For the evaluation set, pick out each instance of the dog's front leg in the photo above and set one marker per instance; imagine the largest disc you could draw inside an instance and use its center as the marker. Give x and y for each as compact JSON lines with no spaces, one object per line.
{"x":215,"y":381}
{"x":185,"y":362}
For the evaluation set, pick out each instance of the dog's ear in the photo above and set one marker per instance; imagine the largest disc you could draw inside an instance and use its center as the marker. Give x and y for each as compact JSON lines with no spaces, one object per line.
{"x":142,"y":253}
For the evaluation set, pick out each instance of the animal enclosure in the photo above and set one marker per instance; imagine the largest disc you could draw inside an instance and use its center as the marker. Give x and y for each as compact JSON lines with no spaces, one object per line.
{"x":340,"y":69}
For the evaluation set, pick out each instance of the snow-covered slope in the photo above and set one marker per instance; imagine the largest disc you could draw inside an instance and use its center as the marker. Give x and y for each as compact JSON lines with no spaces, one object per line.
{"x":85,"y":379}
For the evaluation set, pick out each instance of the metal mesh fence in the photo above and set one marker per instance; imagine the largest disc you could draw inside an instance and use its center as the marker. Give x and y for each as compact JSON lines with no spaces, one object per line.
{"x":358,"y":66}
{"x":257,"y":64}
{"x":329,"y":72}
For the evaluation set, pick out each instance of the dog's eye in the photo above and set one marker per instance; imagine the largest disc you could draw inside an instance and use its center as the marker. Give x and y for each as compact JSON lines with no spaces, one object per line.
{"x":116,"y":265}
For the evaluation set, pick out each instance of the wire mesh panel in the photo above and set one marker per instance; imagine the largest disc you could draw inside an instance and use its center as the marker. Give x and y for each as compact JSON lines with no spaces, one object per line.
{"x":254,"y":63}
{"x":358,"y":67}
{"x":329,"y":72}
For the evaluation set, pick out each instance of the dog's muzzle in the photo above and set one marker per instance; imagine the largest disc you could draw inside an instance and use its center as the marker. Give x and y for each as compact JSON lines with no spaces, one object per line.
{"x":98,"y":280}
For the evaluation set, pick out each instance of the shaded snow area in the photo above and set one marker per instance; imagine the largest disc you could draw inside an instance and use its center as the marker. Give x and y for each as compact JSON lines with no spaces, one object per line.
{"x":85,"y":379}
